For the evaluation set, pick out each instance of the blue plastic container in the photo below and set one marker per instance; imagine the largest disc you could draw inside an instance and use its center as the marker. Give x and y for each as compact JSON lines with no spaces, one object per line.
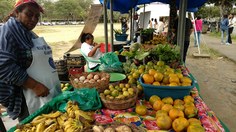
{"x":176,"y":92}
{"x":121,"y":37}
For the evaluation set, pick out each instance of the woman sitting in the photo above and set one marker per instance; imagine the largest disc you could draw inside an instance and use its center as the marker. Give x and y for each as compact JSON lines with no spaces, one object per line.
{"x":91,"y":49}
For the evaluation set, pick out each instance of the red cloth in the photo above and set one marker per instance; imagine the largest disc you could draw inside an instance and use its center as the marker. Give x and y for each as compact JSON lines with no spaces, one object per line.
{"x":198,"y":25}
{"x":103,"y":46}
{"x":20,"y":2}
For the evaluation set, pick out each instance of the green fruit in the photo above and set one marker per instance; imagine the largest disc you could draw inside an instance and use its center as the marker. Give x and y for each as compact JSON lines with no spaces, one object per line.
{"x":67,"y":84}
{"x":130,"y":90}
{"x":62,"y":85}
{"x":107,"y":92}
{"x":111,"y":86}
{"x":126,"y":93}
{"x":115,"y":93}
{"x":124,"y":89}
{"x":131,"y":93}
{"x":111,"y":97}
{"x":122,"y":85}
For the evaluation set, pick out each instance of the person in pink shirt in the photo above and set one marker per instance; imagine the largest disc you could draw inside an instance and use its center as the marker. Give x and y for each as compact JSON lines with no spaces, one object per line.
{"x":198,"y":32}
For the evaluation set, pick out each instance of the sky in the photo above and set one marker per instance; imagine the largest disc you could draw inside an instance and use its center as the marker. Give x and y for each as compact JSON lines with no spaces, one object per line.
{"x":96,"y":2}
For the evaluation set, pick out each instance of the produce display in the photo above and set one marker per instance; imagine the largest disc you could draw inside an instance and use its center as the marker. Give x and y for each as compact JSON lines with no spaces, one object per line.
{"x":73,"y":120}
{"x":124,"y":106}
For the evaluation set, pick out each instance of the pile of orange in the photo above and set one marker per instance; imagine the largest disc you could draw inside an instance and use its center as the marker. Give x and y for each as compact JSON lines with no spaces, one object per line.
{"x":180,"y":115}
{"x":168,"y":78}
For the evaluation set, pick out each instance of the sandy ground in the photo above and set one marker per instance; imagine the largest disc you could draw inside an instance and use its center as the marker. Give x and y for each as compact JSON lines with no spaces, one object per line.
{"x":215,"y":76}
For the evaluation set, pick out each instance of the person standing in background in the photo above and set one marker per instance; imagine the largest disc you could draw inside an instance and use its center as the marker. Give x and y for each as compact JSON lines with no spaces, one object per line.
{"x":224,"y":29}
{"x":161,"y":26}
{"x":155,"y":23}
{"x":231,"y":27}
{"x":198,"y":32}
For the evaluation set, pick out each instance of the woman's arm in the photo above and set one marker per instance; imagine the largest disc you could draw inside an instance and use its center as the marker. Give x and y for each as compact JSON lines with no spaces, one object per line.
{"x":93,"y":51}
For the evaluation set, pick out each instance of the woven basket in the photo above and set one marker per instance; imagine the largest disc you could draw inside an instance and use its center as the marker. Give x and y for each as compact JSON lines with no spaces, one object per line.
{"x":120,"y":104}
{"x":100,"y":86}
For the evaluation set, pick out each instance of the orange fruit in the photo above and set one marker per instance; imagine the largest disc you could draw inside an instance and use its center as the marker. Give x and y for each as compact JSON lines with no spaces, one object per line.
{"x":179,"y":106}
{"x":175,"y":113}
{"x":188,"y":98}
{"x":148,"y":78}
{"x":161,"y":113}
{"x":166,"y":80}
{"x":178,"y":101}
{"x":173,"y":79}
{"x":194,"y":121}
{"x":180,"y":124}
{"x":167,"y":100}
{"x":152,"y":72}
{"x":164,"y":122}
{"x":173,"y":75}
{"x":141,"y":110}
{"x":157,"y":105}
{"x":180,"y":75}
{"x":156,"y":84}
{"x":195,"y":128}
{"x":188,"y":104}
{"x":190,"y":111}
{"x":167,"y":107}
{"x":158,"y":76}
{"x":186,"y":80}
{"x":173,"y":84}
{"x":154,"y":98}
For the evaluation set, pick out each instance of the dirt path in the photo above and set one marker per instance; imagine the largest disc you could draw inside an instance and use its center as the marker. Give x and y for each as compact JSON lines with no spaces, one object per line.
{"x":216,"y":77}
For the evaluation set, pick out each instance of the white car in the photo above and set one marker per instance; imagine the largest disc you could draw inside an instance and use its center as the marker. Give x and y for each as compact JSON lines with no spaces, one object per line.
{"x":46,"y":23}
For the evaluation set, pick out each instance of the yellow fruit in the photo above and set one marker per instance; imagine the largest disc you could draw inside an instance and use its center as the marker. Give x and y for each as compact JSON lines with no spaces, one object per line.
{"x":140,"y":71}
{"x":180,"y":124}
{"x":167,"y":107}
{"x":158,"y":105}
{"x":152,"y":72}
{"x":135,"y":75}
{"x":186,"y":80}
{"x":158,"y":76}
{"x":188,"y":98}
{"x":168,"y":100}
{"x":175,"y":113}
{"x":141,"y":110}
{"x":161,"y":113}
{"x":188,"y":104}
{"x":195,"y":128}
{"x":173,"y":84}
{"x":153,"y":99}
{"x":160,"y":63}
{"x":127,"y":85}
{"x":156,"y":84}
{"x":180,"y":75}
{"x":178,"y":101}
{"x":190,"y":111}
{"x":173,"y":75}
{"x":148,"y":78}
{"x":166,"y":80}
{"x":173,"y":79}
{"x":179,"y":106}
{"x":164,"y":122}
{"x":194,"y":121}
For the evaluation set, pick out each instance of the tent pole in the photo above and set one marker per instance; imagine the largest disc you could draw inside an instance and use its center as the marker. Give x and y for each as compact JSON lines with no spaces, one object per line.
{"x":181,"y":26}
{"x":111,"y":22}
{"x":105,"y":24}
{"x":131,"y":24}
{"x":144,"y":15}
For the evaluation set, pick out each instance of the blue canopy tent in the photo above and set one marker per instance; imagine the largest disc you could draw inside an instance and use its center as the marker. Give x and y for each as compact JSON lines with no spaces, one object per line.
{"x":124,"y":6}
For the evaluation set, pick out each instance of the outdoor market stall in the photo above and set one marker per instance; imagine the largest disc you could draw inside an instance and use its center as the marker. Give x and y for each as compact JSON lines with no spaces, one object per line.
{"x":151,"y":91}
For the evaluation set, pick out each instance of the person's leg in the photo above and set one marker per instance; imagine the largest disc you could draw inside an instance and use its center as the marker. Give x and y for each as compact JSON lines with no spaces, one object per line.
{"x":229,"y":32}
{"x":222,"y":36}
{"x":2,"y":127}
{"x":199,"y":38}
{"x":195,"y":39}
{"x":227,"y":36}
{"x":186,"y":45}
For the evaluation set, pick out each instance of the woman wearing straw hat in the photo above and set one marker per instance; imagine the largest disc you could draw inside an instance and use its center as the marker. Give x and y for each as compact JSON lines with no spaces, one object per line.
{"x":28,"y":78}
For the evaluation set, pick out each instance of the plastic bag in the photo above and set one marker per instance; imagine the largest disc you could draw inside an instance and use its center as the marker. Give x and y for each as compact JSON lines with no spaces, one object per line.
{"x":110,"y":63}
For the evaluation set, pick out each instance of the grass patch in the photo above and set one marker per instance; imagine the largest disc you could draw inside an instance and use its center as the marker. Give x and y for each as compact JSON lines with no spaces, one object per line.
{"x":218,"y":35}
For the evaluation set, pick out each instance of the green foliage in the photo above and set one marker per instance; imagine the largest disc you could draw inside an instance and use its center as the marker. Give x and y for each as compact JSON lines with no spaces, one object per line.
{"x":208,"y":11}
{"x":6,"y":7}
{"x":117,"y":31}
{"x":147,"y":31}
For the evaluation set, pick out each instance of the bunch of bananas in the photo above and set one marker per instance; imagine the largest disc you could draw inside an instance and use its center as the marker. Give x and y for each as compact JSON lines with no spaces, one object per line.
{"x":73,"y":120}
{"x":157,"y":39}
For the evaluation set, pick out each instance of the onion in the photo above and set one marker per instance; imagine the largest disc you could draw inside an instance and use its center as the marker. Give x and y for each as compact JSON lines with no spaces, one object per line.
{"x":76,"y":80}
{"x":90,"y":76}
{"x":82,"y":78}
{"x":96,"y":77}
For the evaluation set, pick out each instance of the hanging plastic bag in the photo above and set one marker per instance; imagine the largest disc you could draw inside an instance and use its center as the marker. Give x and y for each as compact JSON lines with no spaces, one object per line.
{"x":110,"y":63}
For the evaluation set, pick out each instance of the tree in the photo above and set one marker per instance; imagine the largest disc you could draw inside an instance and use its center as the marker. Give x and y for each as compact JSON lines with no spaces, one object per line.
{"x":225,"y":5}
{"x":6,"y":6}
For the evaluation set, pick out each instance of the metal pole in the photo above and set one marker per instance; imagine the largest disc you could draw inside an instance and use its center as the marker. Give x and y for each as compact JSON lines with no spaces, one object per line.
{"x":131,"y":24}
{"x":111,"y":22}
{"x":181,"y":26}
{"x":144,"y":15}
{"x":105,"y":24}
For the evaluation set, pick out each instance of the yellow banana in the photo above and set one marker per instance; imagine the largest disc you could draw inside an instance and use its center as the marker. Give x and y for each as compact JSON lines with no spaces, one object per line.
{"x":33,"y":129}
{"x":50,"y":121}
{"x":40,"y":127}
{"x":75,"y":107}
{"x":52,"y":115}
{"x":36,"y":122}
{"x":60,"y":121}
{"x":60,"y":130}
{"x":17,"y":130}
{"x":51,"y":128}
{"x":71,"y":114}
{"x":69,"y":129}
{"x":83,"y":114}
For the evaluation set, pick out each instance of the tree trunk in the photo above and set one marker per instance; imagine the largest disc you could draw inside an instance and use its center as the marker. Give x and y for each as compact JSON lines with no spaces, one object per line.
{"x":173,"y":15}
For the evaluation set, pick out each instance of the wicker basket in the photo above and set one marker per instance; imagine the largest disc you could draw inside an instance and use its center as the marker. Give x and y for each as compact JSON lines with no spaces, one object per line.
{"x":120,"y":104}
{"x":100,"y":86}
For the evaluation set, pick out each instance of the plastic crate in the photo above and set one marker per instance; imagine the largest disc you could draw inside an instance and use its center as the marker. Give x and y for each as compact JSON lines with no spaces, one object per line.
{"x":74,"y":60}
{"x":73,"y":71}
{"x":176,"y":92}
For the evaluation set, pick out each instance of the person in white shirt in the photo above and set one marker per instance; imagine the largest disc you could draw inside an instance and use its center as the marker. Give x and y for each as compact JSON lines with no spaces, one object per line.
{"x":90,"y":49}
{"x":231,"y":27}
{"x":161,"y":26}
